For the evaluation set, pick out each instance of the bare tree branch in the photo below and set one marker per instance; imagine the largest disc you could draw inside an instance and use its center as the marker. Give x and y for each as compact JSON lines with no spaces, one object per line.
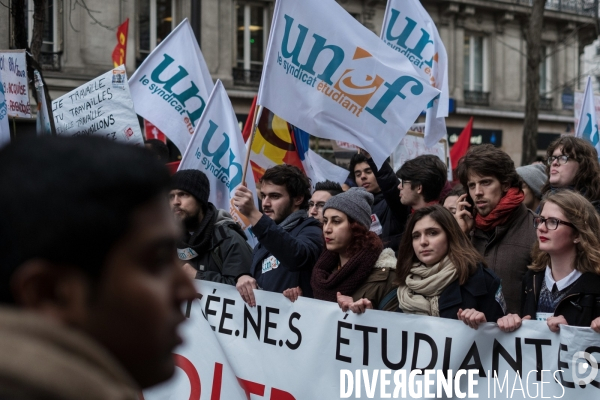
{"x":81,"y":3}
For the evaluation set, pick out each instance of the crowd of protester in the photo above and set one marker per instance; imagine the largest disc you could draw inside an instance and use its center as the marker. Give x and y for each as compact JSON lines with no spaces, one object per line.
{"x":91,"y":249}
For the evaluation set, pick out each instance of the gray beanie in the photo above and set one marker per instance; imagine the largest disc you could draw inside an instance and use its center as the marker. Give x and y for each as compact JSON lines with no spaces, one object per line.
{"x":355,"y":203}
{"x":534,"y":176}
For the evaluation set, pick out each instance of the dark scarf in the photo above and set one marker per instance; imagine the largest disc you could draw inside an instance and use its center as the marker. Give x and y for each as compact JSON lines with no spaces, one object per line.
{"x":502,"y":212}
{"x":327,"y":280}
{"x":201,"y":240}
{"x":292,"y":220}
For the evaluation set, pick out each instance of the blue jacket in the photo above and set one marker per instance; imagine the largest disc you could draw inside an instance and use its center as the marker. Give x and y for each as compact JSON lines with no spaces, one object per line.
{"x":283,"y":260}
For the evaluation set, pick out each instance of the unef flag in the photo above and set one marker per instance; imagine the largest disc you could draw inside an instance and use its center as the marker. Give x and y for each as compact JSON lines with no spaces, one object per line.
{"x":327,"y":74}
{"x":172,"y":85}
{"x":217,"y":149}
{"x":119,"y":54}
{"x":588,"y":124}
{"x":410,"y":31}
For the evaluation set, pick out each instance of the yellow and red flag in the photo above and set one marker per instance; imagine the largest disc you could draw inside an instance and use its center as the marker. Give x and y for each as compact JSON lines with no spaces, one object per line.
{"x":120,"y":51}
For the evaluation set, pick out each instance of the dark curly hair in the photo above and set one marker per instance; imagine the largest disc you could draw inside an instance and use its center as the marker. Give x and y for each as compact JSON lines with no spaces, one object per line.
{"x":487,"y":160}
{"x":587,"y":178}
{"x":295,"y":181}
{"x":362,"y":238}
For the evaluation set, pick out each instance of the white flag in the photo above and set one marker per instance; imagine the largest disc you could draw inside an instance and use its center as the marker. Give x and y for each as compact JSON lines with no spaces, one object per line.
{"x":409,"y":29}
{"x":217,"y":148}
{"x":101,"y":107}
{"x":42,"y":123}
{"x":588,"y":124}
{"x":4,"y":128}
{"x":172,"y":85}
{"x":329,"y":75}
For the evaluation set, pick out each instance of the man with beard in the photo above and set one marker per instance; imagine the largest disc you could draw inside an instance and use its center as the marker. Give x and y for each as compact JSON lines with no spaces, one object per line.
{"x":290,"y":242}
{"x":214,"y":246}
{"x":493,"y":213}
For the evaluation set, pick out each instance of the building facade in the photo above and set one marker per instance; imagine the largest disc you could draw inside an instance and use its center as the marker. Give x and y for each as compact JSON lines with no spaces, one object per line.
{"x":485,"y":41}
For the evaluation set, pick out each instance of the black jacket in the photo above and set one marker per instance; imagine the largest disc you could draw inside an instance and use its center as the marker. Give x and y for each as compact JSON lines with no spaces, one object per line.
{"x":482,"y":291}
{"x":580,"y":307}
{"x":391,"y":212}
{"x":229,"y":255}
{"x":297,"y":252}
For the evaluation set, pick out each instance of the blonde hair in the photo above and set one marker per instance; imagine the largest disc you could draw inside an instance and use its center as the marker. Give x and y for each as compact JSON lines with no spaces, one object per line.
{"x":581,"y":213}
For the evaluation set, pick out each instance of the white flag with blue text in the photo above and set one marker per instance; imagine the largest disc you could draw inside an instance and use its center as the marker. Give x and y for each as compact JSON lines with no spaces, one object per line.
{"x":172,"y":85}
{"x":217,"y":149}
{"x":329,"y":75}
{"x":410,"y":31}
{"x":588,"y":124}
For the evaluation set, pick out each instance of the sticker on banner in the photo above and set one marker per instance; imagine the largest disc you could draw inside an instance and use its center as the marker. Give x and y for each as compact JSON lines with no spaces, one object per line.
{"x":269,"y":263}
{"x":118,"y":79}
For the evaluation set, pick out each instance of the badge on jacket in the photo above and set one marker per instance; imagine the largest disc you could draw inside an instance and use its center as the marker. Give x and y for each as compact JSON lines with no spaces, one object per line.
{"x":500,"y":298}
{"x":186,"y":254}
{"x":269,"y":263}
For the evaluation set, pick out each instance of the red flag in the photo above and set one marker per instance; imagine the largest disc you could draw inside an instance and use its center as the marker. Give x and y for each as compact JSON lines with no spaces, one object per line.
{"x":119,"y":53}
{"x":462,"y":144}
{"x":152,"y":132}
{"x":248,"y":125}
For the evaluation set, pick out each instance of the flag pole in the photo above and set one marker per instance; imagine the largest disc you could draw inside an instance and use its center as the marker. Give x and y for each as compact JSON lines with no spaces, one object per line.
{"x":255,"y":119}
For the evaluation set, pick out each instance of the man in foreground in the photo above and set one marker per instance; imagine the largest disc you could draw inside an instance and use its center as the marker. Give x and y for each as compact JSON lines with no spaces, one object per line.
{"x":90,"y":288}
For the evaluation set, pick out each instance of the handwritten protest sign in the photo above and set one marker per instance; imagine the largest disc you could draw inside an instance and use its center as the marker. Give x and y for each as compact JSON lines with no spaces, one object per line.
{"x":13,"y":75}
{"x":103,"y":107}
{"x":413,"y":145}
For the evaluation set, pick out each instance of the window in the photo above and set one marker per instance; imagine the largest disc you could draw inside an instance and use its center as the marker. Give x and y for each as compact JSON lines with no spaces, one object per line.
{"x":475,"y":63}
{"x":156,"y":21}
{"x":545,"y":77}
{"x":251,"y":36}
{"x":50,"y":34}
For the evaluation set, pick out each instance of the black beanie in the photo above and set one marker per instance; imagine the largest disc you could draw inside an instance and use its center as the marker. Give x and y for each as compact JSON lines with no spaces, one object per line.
{"x":194,"y":182}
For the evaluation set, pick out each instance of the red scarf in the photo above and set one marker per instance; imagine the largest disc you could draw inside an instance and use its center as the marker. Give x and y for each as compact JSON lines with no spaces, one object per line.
{"x":499,"y":215}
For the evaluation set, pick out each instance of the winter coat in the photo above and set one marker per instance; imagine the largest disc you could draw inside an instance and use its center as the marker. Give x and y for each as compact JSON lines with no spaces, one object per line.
{"x":507,"y":252}
{"x":391,"y":213}
{"x":580,"y":307}
{"x":42,"y":359}
{"x":380,"y":283}
{"x":482,"y":291}
{"x":229,"y":255}
{"x":292,"y":254}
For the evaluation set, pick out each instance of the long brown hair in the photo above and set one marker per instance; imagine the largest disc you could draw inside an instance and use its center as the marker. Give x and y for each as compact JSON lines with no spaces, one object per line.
{"x":587,"y":178}
{"x":581,"y":213}
{"x":460,"y":250}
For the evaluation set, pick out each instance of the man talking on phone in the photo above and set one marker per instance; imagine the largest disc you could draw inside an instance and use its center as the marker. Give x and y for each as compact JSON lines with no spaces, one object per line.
{"x":493,"y":213}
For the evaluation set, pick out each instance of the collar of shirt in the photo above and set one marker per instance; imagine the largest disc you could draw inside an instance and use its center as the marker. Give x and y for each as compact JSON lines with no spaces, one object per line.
{"x":564,"y":282}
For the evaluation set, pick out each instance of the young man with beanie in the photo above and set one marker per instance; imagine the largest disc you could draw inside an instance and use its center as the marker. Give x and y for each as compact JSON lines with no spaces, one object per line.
{"x":534,"y":178}
{"x":289,"y":241}
{"x":91,"y":293}
{"x":500,"y":226}
{"x":214,"y":246}
{"x":323,"y":192}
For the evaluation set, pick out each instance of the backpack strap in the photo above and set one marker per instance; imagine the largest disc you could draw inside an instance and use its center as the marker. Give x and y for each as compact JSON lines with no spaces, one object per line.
{"x":388,"y":297}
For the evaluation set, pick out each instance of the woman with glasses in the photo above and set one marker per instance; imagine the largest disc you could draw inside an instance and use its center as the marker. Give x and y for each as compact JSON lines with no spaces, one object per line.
{"x":572,"y":164}
{"x":562,"y":286}
{"x":354,"y":264}
{"x":442,"y":275}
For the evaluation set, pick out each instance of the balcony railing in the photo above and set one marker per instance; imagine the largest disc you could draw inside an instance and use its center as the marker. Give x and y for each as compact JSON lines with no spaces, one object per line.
{"x":477,"y":98}
{"x":545,"y":104}
{"x":246,"y":77}
{"x":581,"y":7}
{"x":50,"y":61}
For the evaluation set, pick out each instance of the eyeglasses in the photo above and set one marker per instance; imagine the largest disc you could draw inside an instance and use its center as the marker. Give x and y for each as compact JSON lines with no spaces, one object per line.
{"x":562,"y":159}
{"x":318,"y":205}
{"x":551,"y":223}
{"x":403,"y":182}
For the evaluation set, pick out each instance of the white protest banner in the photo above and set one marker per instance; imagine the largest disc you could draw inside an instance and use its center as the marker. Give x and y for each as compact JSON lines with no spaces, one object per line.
{"x":327,"y":74}
{"x":413,"y":145}
{"x":13,"y":75}
{"x":101,"y":107}
{"x":172,"y":85}
{"x":4,"y":127}
{"x":217,"y":148}
{"x":409,"y":29}
{"x":588,"y":127}
{"x":311,"y":350}
{"x":42,"y":125}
